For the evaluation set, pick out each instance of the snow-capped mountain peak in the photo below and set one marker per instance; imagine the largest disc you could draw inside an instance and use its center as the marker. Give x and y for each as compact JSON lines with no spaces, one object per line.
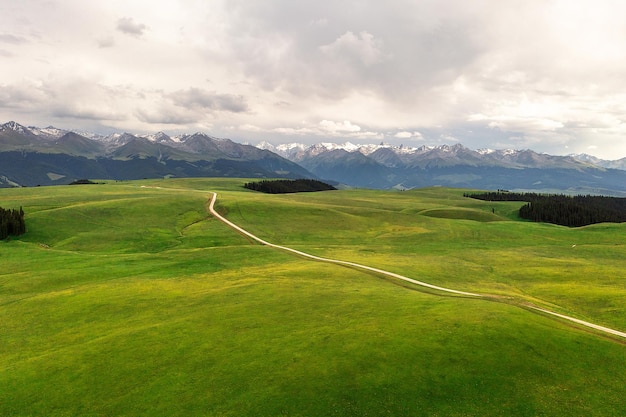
{"x":266,"y":146}
{"x":440,"y":155}
{"x":590,"y":159}
{"x":585,"y":157}
{"x":159,"y":137}
{"x":291,"y":146}
{"x":49,"y":132}
{"x":16,"y":127}
{"x":185,"y":137}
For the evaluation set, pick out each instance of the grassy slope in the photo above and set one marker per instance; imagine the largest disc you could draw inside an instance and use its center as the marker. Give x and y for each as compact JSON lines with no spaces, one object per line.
{"x":140,"y":304}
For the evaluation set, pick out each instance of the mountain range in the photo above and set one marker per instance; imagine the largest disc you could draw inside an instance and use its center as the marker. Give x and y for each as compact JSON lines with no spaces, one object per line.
{"x":387,"y":166}
{"x":32,"y":156}
{"x":455,"y":154}
{"x":45,"y":156}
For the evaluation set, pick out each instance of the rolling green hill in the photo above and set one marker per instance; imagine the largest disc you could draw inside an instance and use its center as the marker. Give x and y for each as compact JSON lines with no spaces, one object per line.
{"x":128,"y":299}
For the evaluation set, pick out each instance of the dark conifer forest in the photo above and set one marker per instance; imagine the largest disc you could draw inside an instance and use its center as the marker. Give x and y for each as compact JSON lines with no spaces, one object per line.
{"x":288,"y":186}
{"x":11,"y":223}
{"x":572,"y":211}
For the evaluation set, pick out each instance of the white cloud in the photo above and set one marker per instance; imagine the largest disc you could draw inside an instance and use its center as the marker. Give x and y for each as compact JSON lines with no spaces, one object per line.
{"x":128,"y":26}
{"x":248,"y":128}
{"x":408,"y":135}
{"x":339,"y":127}
{"x":201,"y":99}
{"x":312,"y":132}
{"x":362,"y":47}
{"x":294,"y":131}
{"x":21,"y":96}
{"x":167,"y":115}
{"x":403,"y":135}
{"x":448,"y":138}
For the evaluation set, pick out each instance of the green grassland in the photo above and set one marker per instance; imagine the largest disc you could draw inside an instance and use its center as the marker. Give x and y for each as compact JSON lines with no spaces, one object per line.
{"x":128,"y":298}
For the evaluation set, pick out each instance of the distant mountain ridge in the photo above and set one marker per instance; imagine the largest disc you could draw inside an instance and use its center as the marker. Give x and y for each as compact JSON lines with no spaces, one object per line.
{"x":43,"y":156}
{"x":502,"y":157}
{"x":614,"y":164}
{"x":386,"y":166}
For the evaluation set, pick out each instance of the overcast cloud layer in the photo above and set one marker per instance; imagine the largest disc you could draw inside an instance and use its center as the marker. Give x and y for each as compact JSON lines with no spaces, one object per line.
{"x":539,"y":74}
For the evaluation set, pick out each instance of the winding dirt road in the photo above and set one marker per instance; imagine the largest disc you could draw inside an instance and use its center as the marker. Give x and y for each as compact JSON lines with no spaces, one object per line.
{"x":407,"y":279}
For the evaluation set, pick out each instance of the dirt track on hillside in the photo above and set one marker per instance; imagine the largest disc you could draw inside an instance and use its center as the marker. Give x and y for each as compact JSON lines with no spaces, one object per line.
{"x":531,"y":307}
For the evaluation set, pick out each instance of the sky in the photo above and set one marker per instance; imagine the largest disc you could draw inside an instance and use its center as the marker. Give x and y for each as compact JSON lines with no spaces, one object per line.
{"x":546,"y":75}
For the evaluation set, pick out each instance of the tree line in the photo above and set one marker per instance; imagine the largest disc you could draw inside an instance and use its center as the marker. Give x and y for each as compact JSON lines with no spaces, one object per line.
{"x":11,"y":223}
{"x":564,"y":210}
{"x":288,"y":186}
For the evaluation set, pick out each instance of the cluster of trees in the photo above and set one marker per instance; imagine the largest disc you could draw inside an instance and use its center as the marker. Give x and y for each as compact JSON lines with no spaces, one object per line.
{"x":572,"y":211}
{"x":11,"y":223}
{"x":288,"y":186}
{"x":82,"y":182}
{"x":504,"y":195}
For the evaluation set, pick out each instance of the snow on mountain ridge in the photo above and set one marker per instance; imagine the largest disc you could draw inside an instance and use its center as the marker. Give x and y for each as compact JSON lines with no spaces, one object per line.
{"x":444,"y":154}
{"x":48,"y":132}
{"x":16,"y":127}
{"x":290,"y":146}
{"x":160,"y":137}
{"x":185,"y":136}
{"x":297,"y":150}
{"x":367,"y":149}
{"x":590,"y":159}
{"x":294,"y":148}
{"x":266,"y":146}
{"x":350,"y":147}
